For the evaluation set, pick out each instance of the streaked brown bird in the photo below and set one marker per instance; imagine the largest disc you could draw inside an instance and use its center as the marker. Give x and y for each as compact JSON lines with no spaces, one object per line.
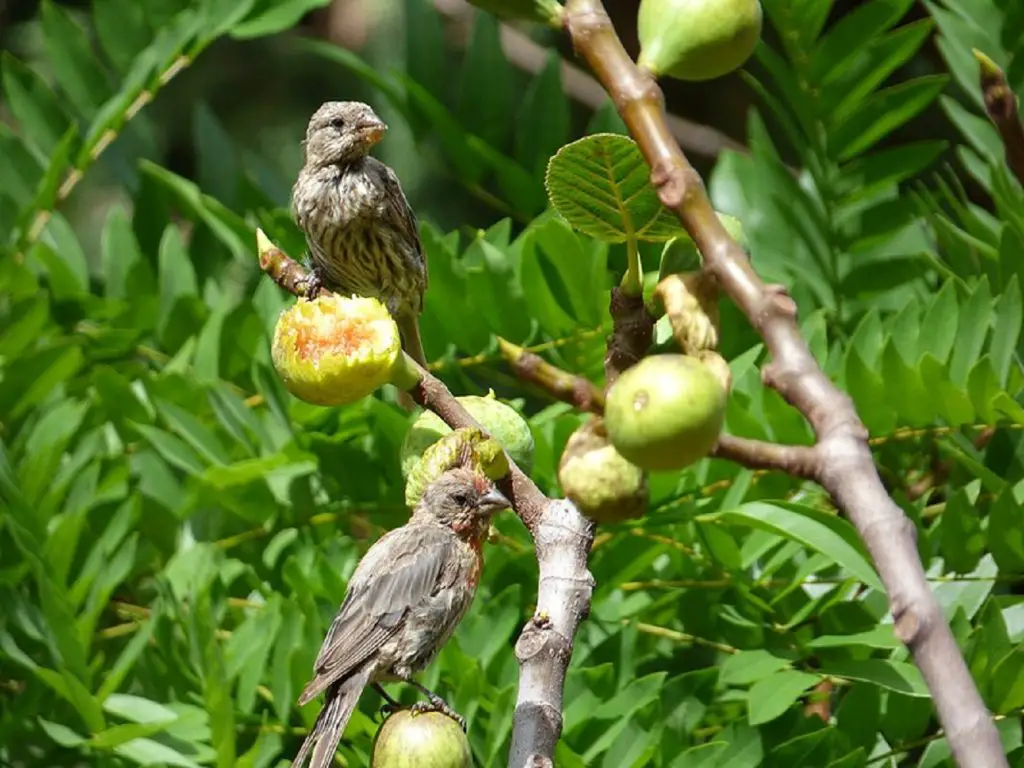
{"x":361,"y":233}
{"x":403,"y":602}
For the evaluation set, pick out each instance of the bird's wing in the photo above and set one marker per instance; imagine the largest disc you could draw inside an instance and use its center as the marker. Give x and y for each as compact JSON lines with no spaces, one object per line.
{"x":401,"y":570}
{"x":405,"y":218}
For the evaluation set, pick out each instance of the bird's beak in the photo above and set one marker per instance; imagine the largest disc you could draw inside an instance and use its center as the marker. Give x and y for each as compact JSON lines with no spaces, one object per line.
{"x":493,"y":501}
{"x":374,"y":130}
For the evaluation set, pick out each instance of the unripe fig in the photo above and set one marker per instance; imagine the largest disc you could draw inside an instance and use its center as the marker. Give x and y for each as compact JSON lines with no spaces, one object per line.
{"x":697,"y":39}
{"x":420,"y":740}
{"x":598,"y":480}
{"x":500,"y":420}
{"x":666,"y":412}
{"x":333,"y":349}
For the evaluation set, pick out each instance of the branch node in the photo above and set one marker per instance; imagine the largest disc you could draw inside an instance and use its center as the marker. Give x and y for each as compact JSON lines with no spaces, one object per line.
{"x":778,"y":302}
{"x":907,"y":624}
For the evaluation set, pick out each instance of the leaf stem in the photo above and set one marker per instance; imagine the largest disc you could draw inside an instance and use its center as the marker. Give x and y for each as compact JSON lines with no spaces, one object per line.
{"x":633,"y":281}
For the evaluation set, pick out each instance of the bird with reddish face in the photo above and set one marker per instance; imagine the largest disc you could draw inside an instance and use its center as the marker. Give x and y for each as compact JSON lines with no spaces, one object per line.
{"x":404,"y":601}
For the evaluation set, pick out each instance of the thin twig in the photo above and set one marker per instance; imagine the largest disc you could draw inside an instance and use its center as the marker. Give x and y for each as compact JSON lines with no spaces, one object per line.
{"x":842,"y":463}
{"x":567,"y":387}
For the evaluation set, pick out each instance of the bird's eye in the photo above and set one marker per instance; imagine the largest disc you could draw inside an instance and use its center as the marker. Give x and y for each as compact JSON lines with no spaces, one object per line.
{"x":460,"y":498}
{"x":338,"y":122}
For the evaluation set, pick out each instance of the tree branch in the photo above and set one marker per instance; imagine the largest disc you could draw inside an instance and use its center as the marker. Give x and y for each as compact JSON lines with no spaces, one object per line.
{"x":561,"y":536}
{"x":1002,"y":108}
{"x":796,"y":460}
{"x":842,"y":462}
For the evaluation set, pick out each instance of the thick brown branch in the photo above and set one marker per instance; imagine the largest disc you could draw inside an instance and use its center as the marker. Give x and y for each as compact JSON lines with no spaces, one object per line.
{"x":1002,"y":107}
{"x":843,"y":463}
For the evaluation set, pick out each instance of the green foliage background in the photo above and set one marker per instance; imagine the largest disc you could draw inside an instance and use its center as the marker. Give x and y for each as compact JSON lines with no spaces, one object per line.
{"x":176,"y":530}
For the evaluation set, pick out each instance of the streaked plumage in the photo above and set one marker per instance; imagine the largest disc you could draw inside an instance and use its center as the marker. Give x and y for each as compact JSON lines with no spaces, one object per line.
{"x":361,"y":233}
{"x":403,"y":602}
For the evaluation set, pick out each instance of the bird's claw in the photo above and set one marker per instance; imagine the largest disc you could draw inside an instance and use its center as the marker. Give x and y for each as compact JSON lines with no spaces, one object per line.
{"x":438,"y":705}
{"x":311,"y":285}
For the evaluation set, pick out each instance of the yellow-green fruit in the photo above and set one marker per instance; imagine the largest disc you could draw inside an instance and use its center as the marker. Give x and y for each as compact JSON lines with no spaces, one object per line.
{"x":598,"y":480}
{"x":697,"y":39}
{"x":420,"y":740}
{"x":334,"y":350}
{"x":665,"y":412}
{"x":500,"y":420}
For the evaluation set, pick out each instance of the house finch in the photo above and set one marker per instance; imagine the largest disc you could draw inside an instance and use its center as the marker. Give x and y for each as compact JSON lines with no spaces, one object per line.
{"x":361,"y":233}
{"x":403,"y":602}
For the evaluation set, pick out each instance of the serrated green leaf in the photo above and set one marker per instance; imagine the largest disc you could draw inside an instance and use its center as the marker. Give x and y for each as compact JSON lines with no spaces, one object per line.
{"x":601,"y":186}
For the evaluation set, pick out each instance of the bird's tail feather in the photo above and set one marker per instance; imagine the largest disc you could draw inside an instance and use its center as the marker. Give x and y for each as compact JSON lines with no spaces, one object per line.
{"x":341,"y":701}
{"x":409,"y":330}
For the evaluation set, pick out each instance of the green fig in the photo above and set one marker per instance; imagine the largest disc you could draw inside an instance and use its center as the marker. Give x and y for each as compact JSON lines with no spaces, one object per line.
{"x":410,"y":739}
{"x":500,"y":420}
{"x":598,"y":480}
{"x":666,"y":412}
{"x":697,"y":39}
